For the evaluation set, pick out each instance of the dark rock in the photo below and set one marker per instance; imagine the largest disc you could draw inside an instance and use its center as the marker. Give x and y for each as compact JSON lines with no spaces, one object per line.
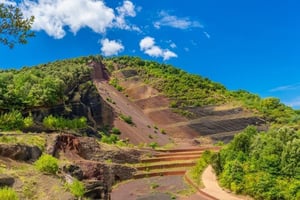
{"x":20,"y":152}
{"x":90,"y":150}
{"x":6,"y":180}
{"x":74,"y":171}
{"x":96,"y":190}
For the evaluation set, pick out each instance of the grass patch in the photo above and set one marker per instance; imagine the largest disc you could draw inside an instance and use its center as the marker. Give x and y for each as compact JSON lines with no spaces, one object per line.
{"x":76,"y":188}
{"x":47,"y":164}
{"x":7,"y":193}
{"x":26,"y":139}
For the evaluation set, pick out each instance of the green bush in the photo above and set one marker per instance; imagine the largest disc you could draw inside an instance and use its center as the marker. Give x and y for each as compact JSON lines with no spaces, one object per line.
{"x":127,"y":119}
{"x":76,"y":188}
{"x":115,"y":131}
{"x":60,"y":123}
{"x":7,"y":193}
{"x":11,"y":121}
{"x":153,"y":145}
{"x":47,"y":164}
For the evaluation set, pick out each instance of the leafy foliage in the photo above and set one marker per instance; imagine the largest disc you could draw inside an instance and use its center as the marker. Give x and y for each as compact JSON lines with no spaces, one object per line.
{"x":14,"y":120}
{"x":8,"y":194}
{"x":76,"y":188}
{"x":13,"y":27}
{"x":60,"y":123}
{"x":47,"y":164}
{"x":264,"y":165}
{"x":44,"y":85}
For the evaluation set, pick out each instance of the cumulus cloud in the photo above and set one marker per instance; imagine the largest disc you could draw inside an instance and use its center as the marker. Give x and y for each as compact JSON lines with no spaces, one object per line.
{"x":147,"y":45}
{"x":126,"y":10}
{"x":111,"y":47}
{"x":173,"y":21}
{"x":53,"y":16}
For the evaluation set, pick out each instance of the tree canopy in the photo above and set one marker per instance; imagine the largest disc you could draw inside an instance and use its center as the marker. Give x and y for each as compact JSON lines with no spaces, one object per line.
{"x":14,"y":28}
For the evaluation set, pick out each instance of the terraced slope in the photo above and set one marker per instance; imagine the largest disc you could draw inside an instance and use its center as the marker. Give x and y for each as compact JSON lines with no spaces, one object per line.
{"x":170,"y":162}
{"x":219,"y":122}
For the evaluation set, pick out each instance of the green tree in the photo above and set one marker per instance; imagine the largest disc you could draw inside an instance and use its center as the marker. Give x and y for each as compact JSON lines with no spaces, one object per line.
{"x":14,"y":28}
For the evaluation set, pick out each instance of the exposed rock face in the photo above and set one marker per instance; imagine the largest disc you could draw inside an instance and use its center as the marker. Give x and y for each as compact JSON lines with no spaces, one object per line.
{"x":6,"y":180}
{"x":83,"y":100}
{"x":96,"y":190}
{"x":74,"y":171}
{"x":20,"y":152}
{"x":90,"y":150}
{"x":89,"y":162}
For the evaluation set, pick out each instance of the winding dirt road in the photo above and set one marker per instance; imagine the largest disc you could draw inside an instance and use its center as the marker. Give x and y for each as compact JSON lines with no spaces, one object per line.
{"x":212,"y":187}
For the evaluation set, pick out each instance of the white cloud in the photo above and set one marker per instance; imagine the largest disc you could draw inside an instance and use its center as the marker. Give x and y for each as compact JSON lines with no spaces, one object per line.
{"x":53,"y":16}
{"x":147,"y":45}
{"x":206,"y":34}
{"x":286,"y":87}
{"x":173,"y":45}
{"x":175,"y":22}
{"x":111,"y":47}
{"x":167,"y":54}
{"x":127,"y":9}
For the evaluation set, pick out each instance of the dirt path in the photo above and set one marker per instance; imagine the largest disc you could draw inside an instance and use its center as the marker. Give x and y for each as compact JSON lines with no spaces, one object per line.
{"x":212,"y":187}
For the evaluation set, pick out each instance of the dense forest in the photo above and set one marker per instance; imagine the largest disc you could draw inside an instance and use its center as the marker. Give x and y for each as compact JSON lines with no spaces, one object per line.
{"x":41,"y":86}
{"x":265,"y":165}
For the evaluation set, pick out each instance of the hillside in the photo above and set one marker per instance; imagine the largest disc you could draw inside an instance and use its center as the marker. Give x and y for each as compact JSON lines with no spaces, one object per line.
{"x":101,"y":117}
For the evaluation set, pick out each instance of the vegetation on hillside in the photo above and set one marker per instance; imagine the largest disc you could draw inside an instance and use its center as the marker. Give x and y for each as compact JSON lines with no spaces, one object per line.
{"x":41,"y":86}
{"x":265,"y":165}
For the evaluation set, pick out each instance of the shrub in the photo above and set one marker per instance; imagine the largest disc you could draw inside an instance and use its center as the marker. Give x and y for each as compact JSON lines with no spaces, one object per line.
{"x":153,"y":145}
{"x":11,"y":121}
{"x":116,"y":131}
{"x":109,"y":139}
{"x":8,"y":194}
{"x":60,"y":123}
{"x":47,"y":164}
{"x":126,"y":119}
{"x":76,"y":188}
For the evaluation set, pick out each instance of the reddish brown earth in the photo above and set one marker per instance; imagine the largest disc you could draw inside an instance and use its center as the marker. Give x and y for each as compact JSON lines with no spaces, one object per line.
{"x":217,"y":122}
{"x":150,"y":109}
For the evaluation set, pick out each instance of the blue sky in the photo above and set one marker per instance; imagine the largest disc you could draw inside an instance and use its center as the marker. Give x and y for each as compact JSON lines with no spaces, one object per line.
{"x":252,"y":45}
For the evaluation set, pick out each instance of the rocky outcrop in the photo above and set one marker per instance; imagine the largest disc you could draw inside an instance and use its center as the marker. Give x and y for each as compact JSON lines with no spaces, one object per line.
{"x":20,"y":152}
{"x":6,"y":180}
{"x":91,"y":150}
